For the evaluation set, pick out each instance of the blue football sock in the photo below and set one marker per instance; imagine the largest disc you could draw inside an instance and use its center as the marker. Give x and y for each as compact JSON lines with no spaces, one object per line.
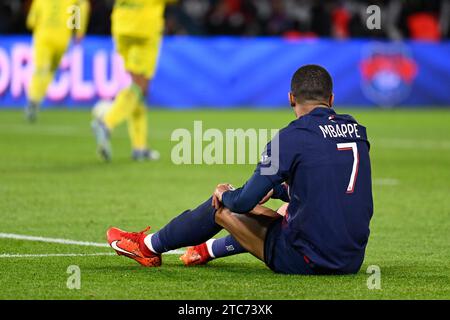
{"x":190,"y":228}
{"x":226,"y":246}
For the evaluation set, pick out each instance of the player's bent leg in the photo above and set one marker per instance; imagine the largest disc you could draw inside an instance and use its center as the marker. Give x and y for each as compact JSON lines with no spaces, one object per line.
{"x":226,"y":246}
{"x":141,"y":81}
{"x":137,"y":128}
{"x":31,"y":111}
{"x":263,"y":237}
{"x":138,"y":132}
{"x":46,"y":57}
{"x":212,"y":249}
{"x":196,"y":255}
{"x":131,"y":245}
{"x":141,"y":61}
{"x":138,"y":125}
{"x":190,"y":228}
{"x":249,"y":230}
{"x":124,"y":105}
{"x":40,"y":79}
{"x":102,"y":138}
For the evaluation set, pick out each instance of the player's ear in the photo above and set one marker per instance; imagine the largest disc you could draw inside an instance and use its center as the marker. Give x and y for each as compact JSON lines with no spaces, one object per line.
{"x":291,"y":99}
{"x":331,"y":100}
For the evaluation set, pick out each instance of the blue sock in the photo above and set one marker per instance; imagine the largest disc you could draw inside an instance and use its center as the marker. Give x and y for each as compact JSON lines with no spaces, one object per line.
{"x":190,"y":228}
{"x":226,"y":246}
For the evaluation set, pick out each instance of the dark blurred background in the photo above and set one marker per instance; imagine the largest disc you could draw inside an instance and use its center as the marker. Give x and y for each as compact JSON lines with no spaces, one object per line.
{"x":413,"y":19}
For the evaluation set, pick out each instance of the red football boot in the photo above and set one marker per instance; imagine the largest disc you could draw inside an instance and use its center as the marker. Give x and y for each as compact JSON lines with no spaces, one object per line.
{"x":197,"y":255}
{"x":131,"y":245}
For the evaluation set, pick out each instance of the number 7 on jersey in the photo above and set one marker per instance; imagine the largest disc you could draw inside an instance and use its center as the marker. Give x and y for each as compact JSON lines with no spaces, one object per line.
{"x":353,"y":147}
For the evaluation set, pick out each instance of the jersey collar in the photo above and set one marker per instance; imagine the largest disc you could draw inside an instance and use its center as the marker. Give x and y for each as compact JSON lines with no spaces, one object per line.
{"x":322,"y":111}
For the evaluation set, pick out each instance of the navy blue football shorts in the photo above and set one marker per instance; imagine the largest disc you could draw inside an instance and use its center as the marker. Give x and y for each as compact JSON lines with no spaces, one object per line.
{"x":280,"y":256}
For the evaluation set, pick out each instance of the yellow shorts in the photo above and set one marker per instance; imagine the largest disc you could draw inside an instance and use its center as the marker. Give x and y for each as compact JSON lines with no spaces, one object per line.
{"x":139,"y":54}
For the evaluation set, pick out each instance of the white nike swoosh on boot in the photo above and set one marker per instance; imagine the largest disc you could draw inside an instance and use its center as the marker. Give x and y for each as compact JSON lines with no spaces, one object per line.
{"x":117,"y":248}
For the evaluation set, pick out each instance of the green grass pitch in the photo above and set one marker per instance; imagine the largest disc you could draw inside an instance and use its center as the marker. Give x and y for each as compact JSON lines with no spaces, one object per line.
{"x":53,"y":185}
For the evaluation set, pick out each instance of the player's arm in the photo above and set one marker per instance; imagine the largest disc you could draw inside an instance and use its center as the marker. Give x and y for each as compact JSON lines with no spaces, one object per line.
{"x":85,"y":11}
{"x":281,"y":192}
{"x":244,"y":199}
{"x":33,"y":14}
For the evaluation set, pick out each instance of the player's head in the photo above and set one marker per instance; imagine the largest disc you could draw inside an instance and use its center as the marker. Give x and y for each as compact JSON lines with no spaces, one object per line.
{"x":311,"y":85}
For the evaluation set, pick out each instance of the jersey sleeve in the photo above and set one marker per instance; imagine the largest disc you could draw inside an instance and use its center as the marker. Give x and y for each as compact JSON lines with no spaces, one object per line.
{"x":280,"y":156}
{"x":273,"y":169}
{"x":244,"y":199}
{"x":281,"y":192}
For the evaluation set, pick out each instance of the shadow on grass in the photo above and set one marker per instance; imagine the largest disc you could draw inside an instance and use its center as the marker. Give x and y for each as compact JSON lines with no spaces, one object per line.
{"x":177,"y":268}
{"x":217,"y":270}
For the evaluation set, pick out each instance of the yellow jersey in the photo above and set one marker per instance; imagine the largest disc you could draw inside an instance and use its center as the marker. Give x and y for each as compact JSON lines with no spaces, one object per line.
{"x":58,"y":19}
{"x":138,"y":18}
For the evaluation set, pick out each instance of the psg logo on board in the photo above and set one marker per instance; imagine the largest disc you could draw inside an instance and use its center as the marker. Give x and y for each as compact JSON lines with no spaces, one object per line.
{"x":388,"y":72}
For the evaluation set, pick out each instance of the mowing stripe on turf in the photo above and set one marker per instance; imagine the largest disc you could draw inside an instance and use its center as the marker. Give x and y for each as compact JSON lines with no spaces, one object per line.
{"x":63,"y":241}
{"x":385,"y":182}
{"x":399,"y":143}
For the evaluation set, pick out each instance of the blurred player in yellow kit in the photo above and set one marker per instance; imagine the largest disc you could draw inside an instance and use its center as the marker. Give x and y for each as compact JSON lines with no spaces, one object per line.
{"x":137,"y":28}
{"x":54,"y":23}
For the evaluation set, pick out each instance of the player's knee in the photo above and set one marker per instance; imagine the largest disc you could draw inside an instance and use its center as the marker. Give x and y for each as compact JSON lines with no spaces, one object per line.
{"x":144,"y":89}
{"x":223,"y":216}
{"x":141,"y":82}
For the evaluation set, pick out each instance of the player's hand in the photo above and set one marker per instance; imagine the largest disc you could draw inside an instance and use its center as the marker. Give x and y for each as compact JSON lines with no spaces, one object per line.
{"x":218,"y":192}
{"x":267,"y":197}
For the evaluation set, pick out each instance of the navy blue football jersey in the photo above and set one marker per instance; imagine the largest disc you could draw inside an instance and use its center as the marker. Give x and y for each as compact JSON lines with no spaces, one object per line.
{"x":324,"y":158}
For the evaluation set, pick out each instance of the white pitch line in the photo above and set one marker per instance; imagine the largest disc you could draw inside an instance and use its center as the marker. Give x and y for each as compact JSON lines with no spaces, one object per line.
{"x":46,"y":255}
{"x":64,"y":241}
{"x":51,"y":240}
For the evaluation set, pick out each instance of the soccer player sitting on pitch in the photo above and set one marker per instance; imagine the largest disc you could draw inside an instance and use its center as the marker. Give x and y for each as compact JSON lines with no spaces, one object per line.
{"x":323,"y":158}
{"x":50,"y":22}
{"x":137,"y":28}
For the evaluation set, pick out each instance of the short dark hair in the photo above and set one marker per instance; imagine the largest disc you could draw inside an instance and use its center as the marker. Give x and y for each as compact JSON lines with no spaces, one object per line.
{"x":311,"y":83}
